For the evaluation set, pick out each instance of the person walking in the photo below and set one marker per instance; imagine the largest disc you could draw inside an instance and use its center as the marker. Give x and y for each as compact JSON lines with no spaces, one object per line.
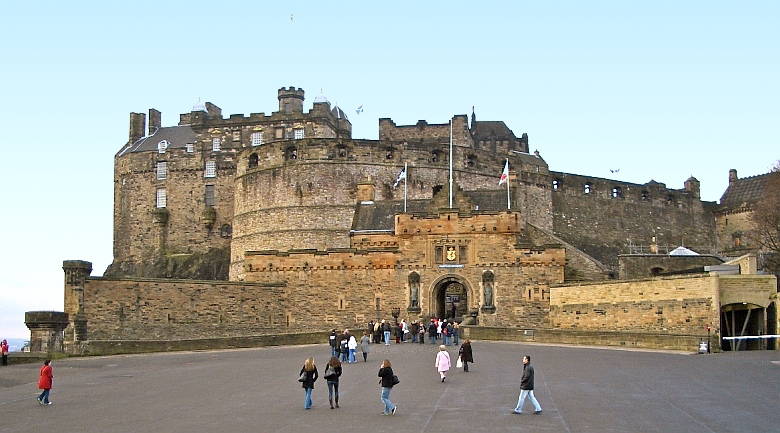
{"x":333,"y":340}
{"x":377,"y":333}
{"x":456,"y":332}
{"x":344,"y":346}
{"x":442,"y":363}
{"x":527,"y":388}
{"x":352,"y":345}
{"x":4,"y":351}
{"x":332,"y":374}
{"x":466,"y":355}
{"x":45,"y":379}
{"x":365,"y":342}
{"x":387,"y":382}
{"x":432,"y":332}
{"x":414,"y":329}
{"x":308,"y":376}
{"x":386,"y":332}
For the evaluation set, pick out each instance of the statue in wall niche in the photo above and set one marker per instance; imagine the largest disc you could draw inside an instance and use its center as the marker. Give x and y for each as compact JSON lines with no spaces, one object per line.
{"x":487,"y":286}
{"x":414,"y":289}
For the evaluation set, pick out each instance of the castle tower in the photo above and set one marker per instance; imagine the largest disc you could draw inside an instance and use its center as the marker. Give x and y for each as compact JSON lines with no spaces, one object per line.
{"x":693,"y":186}
{"x":290,"y":100}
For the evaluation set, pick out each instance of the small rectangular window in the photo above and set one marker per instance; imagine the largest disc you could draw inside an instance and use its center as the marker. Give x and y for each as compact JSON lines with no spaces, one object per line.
{"x":439,"y":256}
{"x":162,"y":170}
{"x":237,"y":135}
{"x":162,"y":198}
{"x":462,"y":254}
{"x":190,"y":147}
{"x":216,"y":144}
{"x":279,"y":132}
{"x":257,"y":138}
{"x":298,"y":133}
{"x":210,"y":200}
{"x":211,"y":169}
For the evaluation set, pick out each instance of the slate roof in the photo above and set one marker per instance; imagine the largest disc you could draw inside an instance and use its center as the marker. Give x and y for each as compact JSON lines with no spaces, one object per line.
{"x":744,"y":191}
{"x":177,"y":137}
{"x":492,"y":129}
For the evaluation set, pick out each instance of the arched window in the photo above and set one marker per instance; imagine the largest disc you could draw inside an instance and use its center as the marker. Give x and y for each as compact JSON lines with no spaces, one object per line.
{"x":414,"y":290}
{"x":253,"y":158}
{"x":488,"y":279}
{"x":587,"y":188}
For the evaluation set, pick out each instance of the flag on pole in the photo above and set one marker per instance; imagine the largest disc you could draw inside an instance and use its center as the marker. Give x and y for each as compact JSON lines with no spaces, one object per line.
{"x":504,"y":174}
{"x":401,"y":176}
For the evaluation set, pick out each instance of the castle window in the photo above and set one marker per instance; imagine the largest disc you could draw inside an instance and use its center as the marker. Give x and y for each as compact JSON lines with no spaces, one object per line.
{"x":216,"y":144}
{"x":190,"y":147}
{"x":162,"y":198}
{"x":471,"y":161}
{"x":257,"y":138}
{"x":279,"y":132}
{"x":556,"y":184}
{"x":617,"y":192}
{"x":670,"y":199}
{"x":162,"y":146}
{"x":210,"y":196}
{"x":211,"y":169}
{"x":237,"y":135}
{"x":645,"y":196}
{"x":226,"y":231}
{"x":435,"y":156}
{"x":253,"y":159}
{"x":462,"y":254}
{"x":587,"y":188}
{"x":439,"y":254}
{"x":736,"y":237}
{"x":162,"y":170}
{"x":298,"y":133}
{"x":291,"y":153}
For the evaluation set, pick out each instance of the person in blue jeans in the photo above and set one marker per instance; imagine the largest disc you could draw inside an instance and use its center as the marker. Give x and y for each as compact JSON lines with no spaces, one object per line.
{"x":386,"y":384}
{"x":527,"y":388}
{"x":386,"y":332}
{"x":309,"y":375}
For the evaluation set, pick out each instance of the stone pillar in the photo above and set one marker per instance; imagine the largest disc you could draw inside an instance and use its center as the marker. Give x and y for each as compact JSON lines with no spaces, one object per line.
{"x":46,"y":330}
{"x":76,"y":274}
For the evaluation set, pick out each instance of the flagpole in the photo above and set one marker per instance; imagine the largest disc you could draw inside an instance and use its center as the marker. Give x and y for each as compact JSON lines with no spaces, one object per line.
{"x":406,"y":175}
{"x":450,"y":163}
{"x":508,"y":203}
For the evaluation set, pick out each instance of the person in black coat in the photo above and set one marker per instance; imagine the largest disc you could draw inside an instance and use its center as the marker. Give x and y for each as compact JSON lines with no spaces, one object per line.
{"x":309,"y":375}
{"x":527,"y":388}
{"x":466,"y":355}
{"x":333,"y":340}
{"x":386,"y":382}
{"x":332,"y":374}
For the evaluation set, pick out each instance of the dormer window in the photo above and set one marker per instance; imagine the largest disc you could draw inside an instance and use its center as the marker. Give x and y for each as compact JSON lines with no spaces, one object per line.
{"x":257,"y":138}
{"x":162,"y":146}
{"x":216,"y":144}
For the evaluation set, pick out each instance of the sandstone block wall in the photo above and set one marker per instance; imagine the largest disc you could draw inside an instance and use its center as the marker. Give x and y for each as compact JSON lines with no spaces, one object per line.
{"x":647,"y":265}
{"x":682,"y":305}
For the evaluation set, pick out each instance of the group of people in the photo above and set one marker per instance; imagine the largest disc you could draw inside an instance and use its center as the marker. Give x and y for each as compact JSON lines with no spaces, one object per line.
{"x":437,"y":330}
{"x":345,"y":345}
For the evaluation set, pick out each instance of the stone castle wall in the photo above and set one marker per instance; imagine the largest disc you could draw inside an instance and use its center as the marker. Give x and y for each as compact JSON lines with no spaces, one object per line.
{"x":603,"y":226}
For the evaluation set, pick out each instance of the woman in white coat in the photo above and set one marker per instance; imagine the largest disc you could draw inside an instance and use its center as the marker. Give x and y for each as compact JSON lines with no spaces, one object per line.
{"x":443,"y":362}
{"x":352,"y":345}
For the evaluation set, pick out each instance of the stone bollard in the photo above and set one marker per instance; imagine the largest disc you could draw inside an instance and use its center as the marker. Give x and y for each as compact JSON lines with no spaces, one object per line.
{"x":47,"y":330}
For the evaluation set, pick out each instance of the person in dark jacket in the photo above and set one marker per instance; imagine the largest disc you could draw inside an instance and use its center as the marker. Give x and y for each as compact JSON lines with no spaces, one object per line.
{"x":332,"y":374}
{"x":310,"y":375}
{"x":386,"y":384}
{"x":527,"y":388}
{"x":343,"y":346}
{"x":466,"y":355}
{"x":334,"y":343}
{"x":432,"y":332}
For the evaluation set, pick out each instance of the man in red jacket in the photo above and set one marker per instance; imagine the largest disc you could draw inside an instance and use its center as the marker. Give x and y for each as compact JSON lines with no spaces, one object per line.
{"x":44,"y":382}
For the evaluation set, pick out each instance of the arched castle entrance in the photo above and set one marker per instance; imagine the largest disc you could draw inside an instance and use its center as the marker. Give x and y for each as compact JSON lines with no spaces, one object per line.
{"x":448,"y":294}
{"x":743,"y":319}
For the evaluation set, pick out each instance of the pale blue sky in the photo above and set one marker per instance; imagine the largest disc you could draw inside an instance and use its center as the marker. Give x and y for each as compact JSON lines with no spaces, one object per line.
{"x":660,"y":90}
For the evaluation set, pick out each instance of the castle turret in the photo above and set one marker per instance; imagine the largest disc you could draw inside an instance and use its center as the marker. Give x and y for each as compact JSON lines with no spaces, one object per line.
{"x":693,"y":186}
{"x":290,"y":100}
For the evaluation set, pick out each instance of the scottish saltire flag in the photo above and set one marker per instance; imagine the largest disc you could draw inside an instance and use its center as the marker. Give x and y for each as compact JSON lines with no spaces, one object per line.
{"x":401,"y":176}
{"x":504,"y":174}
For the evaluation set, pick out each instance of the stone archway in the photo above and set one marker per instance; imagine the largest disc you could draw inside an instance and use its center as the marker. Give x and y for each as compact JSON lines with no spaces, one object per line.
{"x":742,"y":319}
{"x":450,"y":291}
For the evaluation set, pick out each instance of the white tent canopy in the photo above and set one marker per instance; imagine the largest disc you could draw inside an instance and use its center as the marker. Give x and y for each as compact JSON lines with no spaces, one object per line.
{"x":682,"y":251}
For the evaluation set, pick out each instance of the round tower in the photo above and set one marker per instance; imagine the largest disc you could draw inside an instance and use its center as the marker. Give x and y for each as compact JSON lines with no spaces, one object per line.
{"x":290,"y":100}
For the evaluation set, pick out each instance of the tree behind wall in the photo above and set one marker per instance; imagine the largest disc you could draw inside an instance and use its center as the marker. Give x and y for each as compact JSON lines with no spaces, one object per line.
{"x":766,"y":221}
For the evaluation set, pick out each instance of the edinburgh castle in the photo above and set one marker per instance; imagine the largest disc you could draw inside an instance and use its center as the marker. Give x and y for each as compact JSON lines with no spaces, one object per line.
{"x":250,"y":225}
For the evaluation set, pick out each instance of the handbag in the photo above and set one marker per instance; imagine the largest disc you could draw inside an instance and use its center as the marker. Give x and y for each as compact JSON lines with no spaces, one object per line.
{"x":303,"y":377}
{"x":330,"y":372}
{"x":459,"y":364}
{"x":396,"y":381}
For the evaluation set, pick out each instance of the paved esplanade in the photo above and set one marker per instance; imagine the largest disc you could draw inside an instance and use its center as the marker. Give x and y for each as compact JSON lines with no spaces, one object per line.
{"x":256,"y":390}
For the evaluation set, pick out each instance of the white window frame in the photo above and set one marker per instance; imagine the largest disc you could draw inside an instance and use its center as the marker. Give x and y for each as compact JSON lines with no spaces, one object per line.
{"x":216,"y":144}
{"x":162,"y":146}
{"x":190,"y":147}
{"x":161,"y":198}
{"x":298,"y":134}
{"x":257,"y":138}
{"x":162,"y":170}
{"x":211,"y":169}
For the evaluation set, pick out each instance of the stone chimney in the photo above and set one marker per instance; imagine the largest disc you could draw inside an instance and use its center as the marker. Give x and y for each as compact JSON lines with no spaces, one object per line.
{"x":732,"y":176}
{"x":137,"y":126}
{"x":155,"y":120}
